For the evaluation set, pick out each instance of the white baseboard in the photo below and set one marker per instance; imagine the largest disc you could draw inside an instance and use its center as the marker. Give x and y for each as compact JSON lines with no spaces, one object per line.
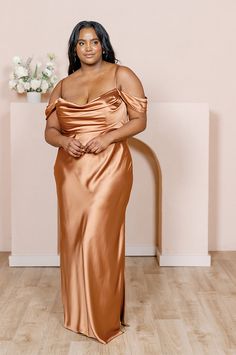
{"x":183,"y":260}
{"x":142,"y":250}
{"x":54,"y":260}
{"x":34,"y":260}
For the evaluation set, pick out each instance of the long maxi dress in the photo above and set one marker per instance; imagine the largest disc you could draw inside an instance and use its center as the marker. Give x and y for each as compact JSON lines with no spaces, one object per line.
{"x":93,"y":192}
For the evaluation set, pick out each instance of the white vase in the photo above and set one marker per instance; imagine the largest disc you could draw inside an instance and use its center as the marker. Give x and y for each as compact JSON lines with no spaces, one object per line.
{"x":33,"y":96}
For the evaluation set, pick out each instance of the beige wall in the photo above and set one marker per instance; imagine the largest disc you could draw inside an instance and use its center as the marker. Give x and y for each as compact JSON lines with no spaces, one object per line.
{"x":183,"y":51}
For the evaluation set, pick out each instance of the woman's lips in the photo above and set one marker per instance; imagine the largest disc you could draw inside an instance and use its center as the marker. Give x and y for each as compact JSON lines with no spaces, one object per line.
{"x":89,"y":55}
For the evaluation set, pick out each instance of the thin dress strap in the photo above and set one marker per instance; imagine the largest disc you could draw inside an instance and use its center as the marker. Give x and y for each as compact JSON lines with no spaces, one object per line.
{"x":117,"y":66}
{"x":61,"y":87}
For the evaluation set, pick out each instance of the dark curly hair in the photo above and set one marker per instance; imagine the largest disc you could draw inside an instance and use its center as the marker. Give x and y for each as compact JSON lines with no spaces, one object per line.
{"x":107,"y":51}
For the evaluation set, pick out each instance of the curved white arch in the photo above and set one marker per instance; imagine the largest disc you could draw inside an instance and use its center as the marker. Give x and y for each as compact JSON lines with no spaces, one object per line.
{"x":176,"y":146}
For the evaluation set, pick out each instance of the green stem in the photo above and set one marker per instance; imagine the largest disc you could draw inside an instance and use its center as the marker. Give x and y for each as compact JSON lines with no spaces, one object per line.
{"x":35,"y":72}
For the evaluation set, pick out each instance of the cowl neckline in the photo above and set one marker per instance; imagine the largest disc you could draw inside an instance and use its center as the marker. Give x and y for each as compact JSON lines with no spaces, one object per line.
{"x":89,"y":102}
{"x":100,"y":96}
{"x":107,"y":99}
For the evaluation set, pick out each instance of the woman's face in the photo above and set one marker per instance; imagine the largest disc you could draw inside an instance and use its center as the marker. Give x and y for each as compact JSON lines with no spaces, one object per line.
{"x":88,"y":48}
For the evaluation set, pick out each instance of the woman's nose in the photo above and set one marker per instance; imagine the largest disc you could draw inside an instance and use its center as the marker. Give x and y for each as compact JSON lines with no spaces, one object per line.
{"x":88,"y":46}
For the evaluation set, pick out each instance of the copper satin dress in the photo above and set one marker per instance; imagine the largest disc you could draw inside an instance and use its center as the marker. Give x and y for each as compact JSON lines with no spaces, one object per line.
{"x":93,"y":192}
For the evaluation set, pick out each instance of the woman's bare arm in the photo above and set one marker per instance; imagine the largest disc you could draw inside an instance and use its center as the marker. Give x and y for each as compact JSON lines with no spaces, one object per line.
{"x":130,"y":83}
{"x":53,"y":133}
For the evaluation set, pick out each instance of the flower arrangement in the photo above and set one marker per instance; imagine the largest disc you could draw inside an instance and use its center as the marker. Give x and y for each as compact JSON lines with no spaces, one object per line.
{"x":24,"y":79}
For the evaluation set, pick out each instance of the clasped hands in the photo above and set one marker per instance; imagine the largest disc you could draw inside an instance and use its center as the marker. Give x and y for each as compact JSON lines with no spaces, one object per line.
{"x":97,"y":144}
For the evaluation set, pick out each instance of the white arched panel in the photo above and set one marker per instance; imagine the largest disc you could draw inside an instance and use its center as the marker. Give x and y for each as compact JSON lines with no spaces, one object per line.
{"x":178,"y":136}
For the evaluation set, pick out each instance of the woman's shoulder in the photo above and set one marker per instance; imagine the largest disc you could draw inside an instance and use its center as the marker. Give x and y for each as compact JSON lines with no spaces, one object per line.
{"x":123,"y":69}
{"x":56,"y":92}
{"x":127,"y":80}
{"x":125,"y":73}
{"x":70,"y":77}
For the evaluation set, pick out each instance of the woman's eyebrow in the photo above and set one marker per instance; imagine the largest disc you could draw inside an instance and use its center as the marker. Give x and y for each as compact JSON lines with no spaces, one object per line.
{"x":81,"y":39}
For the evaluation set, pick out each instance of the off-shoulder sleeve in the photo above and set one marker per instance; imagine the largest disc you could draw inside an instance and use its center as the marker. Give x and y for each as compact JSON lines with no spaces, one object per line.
{"x":50,"y":108}
{"x":138,"y":104}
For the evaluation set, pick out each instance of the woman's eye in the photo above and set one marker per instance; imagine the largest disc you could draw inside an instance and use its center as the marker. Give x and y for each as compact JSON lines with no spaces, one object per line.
{"x":93,"y":42}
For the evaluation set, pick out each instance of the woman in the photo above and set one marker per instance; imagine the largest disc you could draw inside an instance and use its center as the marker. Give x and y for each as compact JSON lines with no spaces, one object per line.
{"x":90,"y":115}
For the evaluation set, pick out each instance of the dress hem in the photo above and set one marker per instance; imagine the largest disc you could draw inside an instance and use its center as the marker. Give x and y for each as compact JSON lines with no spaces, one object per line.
{"x":99,"y":340}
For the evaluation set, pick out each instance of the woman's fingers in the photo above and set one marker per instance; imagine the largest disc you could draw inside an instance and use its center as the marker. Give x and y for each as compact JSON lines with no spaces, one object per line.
{"x":77,"y":149}
{"x":78,"y":143}
{"x":97,"y":144}
{"x":97,"y":150}
{"x":92,"y":146}
{"x":77,"y":146}
{"x":76,"y":155}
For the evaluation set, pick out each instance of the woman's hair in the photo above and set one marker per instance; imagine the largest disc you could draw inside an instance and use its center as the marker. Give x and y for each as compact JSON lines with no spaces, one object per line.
{"x":108,"y":55}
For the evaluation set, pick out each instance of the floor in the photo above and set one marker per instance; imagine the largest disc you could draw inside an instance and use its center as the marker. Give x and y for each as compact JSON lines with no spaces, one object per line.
{"x":171,"y":310}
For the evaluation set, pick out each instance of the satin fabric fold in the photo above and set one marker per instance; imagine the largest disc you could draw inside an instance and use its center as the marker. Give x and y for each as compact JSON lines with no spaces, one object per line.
{"x":93,"y":192}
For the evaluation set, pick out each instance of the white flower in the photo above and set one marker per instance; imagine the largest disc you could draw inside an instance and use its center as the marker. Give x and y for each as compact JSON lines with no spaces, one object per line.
{"x":47,"y":72}
{"x":35,"y":84}
{"x":21,"y":71}
{"x":20,"y":88}
{"x":39,"y":78}
{"x":50,"y":65}
{"x":44,"y":86}
{"x":53,"y":79}
{"x":16,"y":60}
{"x":12,"y":84}
{"x":26,"y":86}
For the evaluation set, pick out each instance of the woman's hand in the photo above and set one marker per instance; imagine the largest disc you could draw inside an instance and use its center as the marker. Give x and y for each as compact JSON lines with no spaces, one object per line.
{"x":97,"y":144}
{"x":73,"y":146}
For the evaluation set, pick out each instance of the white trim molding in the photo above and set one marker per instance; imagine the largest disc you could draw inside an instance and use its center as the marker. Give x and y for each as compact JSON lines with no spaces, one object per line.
{"x":142,"y":250}
{"x":34,"y":260}
{"x":183,"y":260}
